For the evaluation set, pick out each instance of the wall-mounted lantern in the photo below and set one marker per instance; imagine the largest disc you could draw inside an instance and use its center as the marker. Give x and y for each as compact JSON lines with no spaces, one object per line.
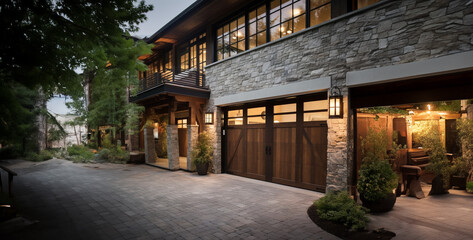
{"x":335,"y":103}
{"x":209,"y":118}
{"x":155,"y":131}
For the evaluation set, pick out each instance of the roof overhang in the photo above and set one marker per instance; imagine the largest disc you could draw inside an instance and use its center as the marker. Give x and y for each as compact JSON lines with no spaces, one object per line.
{"x":171,"y":89}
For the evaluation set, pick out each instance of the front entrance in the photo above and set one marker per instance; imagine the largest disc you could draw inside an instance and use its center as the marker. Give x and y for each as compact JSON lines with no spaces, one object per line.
{"x":282,"y":141}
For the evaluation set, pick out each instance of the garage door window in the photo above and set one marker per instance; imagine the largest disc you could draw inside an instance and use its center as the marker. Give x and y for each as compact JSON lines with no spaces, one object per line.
{"x":257,"y":115}
{"x":315,"y":111}
{"x":285,"y":113}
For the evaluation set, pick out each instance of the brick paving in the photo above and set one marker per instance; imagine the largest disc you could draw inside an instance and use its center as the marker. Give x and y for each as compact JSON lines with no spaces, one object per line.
{"x":111,"y":201}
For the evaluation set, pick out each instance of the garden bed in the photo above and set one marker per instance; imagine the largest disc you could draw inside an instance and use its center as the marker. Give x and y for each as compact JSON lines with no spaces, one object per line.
{"x":343,"y":232}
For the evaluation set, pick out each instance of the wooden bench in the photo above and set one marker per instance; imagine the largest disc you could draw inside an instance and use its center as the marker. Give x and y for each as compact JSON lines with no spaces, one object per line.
{"x":411,"y":169}
{"x":11,"y":174}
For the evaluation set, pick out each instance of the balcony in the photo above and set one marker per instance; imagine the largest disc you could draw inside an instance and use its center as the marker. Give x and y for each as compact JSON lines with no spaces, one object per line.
{"x":190,"y":83}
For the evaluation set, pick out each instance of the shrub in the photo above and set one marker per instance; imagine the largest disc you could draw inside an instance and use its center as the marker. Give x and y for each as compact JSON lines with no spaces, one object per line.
{"x":42,"y":156}
{"x":104,"y":153}
{"x":115,"y":155}
{"x":10,"y":152}
{"x":79,"y":153}
{"x":340,"y":208}
{"x":469,"y":187}
{"x":377,"y":180}
{"x":203,"y":150}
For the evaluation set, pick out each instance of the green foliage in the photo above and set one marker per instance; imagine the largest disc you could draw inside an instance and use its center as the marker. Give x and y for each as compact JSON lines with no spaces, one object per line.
{"x":464,"y":164}
{"x":42,"y":156}
{"x":428,"y":135}
{"x":377,"y":180}
{"x":10,"y":152}
{"x":376,"y":177}
{"x":162,"y":144}
{"x":79,"y":153}
{"x":107,"y":141}
{"x":374,"y":145}
{"x":383,"y":110}
{"x":469,"y":187}
{"x":203,"y":150}
{"x":340,"y":208}
{"x":114,"y":155}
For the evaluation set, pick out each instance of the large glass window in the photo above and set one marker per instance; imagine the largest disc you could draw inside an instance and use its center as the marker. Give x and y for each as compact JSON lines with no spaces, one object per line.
{"x":231,"y":38}
{"x":320,"y":11}
{"x":257,"y":27}
{"x":286,"y":17}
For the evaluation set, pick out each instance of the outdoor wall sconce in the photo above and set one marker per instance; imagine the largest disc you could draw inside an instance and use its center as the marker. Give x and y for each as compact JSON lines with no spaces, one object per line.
{"x":156,"y":131}
{"x":209,"y":118}
{"x":335,"y":103}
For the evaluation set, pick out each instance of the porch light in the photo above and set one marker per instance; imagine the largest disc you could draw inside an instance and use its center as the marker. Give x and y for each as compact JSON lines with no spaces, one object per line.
{"x":209,"y":118}
{"x":155,"y":131}
{"x":335,"y":103}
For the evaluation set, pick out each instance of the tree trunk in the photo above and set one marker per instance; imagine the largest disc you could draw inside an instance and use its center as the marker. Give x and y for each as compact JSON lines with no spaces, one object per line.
{"x":75,"y":133}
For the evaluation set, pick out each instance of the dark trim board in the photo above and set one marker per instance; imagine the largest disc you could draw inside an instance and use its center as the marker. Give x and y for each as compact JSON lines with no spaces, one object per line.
{"x":171,"y":88}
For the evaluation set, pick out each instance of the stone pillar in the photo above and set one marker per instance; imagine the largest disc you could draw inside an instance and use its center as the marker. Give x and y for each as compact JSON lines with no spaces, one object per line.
{"x":150,"y":152}
{"x":337,"y":152}
{"x":192,"y":137}
{"x":469,"y":111}
{"x":217,"y":130}
{"x":173,"y":147}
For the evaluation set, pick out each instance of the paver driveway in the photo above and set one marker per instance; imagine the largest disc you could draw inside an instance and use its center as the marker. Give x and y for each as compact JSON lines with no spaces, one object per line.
{"x":109,"y":201}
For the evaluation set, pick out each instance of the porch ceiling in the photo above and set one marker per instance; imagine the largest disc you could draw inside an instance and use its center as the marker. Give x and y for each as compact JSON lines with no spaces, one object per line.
{"x":174,"y":90}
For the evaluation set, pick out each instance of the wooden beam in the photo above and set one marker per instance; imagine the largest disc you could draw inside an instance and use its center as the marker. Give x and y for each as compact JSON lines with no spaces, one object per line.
{"x":172,"y":112}
{"x":182,"y":98}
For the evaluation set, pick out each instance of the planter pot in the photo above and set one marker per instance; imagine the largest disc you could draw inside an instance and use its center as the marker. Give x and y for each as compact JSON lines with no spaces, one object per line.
{"x":202,"y":168}
{"x":458,"y":181}
{"x":438,"y":186}
{"x":383,"y":205}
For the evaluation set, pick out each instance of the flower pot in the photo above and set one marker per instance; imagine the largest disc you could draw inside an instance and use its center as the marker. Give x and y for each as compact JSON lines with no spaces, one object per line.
{"x":202,"y":168}
{"x":379,"y":206}
{"x":458,"y":181}
{"x":438,"y":186}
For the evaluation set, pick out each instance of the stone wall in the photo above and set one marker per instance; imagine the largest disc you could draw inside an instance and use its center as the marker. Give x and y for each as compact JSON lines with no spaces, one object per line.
{"x":173,"y":147}
{"x":384,"y":34}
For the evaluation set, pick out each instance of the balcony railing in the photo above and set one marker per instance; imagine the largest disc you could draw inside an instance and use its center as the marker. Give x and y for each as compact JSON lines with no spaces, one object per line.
{"x":191,"y":78}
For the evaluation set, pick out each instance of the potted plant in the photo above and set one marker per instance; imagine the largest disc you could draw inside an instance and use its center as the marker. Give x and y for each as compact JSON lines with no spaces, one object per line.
{"x":202,"y":153}
{"x":377,"y":180}
{"x":430,"y":140}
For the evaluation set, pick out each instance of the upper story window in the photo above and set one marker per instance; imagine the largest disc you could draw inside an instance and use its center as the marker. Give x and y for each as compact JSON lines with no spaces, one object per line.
{"x":231,"y":38}
{"x":286,"y":17}
{"x":320,"y":11}
{"x":257,"y":27}
{"x":190,"y":55}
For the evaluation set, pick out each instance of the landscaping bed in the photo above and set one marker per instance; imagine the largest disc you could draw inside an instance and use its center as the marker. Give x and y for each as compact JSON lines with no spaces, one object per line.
{"x":344,"y":232}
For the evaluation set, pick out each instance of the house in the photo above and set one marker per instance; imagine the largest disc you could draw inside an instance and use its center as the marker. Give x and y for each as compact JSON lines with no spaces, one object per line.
{"x":279,"y":83}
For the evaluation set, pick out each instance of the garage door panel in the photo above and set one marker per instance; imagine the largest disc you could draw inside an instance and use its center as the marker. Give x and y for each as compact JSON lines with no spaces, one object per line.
{"x":314,"y":156}
{"x":284,"y":153}
{"x":235,"y":150}
{"x":256,"y":152}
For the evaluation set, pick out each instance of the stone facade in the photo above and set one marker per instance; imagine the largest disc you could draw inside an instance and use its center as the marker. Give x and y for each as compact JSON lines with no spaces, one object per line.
{"x":173,"y":147}
{"x":150,"y":153}
{"x":384,"y":34}
{"x":192,"y":136}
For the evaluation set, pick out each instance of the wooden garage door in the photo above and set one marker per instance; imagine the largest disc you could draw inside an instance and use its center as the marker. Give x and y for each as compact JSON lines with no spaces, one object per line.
{"x":283,"y":143}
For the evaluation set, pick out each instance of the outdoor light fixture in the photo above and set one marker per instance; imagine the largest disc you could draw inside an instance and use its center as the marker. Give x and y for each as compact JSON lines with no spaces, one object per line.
{"x":155,"y":131}
{"x":209,"y":118}
{"x":335,"y":103}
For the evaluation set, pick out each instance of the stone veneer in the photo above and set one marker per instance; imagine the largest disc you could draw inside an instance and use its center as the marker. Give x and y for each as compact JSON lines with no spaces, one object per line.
{"x":384,"y":34}
{"x":150,"y":152}
{"x":173,"y":147}
{"x":192,"y":136}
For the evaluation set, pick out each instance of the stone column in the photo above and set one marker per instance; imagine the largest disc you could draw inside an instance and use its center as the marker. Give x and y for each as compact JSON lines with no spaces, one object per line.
{"x":217,"y":130}
{"x":192,"y":137}
{"x":337,"y":152}
{"x":150,"y":152}
{"x":173,"y":147}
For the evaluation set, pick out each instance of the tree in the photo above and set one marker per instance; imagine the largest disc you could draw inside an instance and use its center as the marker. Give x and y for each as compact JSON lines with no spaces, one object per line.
{"x":44,"y":41}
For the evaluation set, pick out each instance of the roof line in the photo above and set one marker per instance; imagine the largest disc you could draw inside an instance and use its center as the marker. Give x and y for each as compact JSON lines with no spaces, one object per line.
{"x":168,"y":25}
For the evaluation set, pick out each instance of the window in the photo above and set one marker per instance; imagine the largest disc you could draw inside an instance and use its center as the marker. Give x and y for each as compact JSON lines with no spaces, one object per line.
{"x":285,"y":113}
{"x":182,"y":123}
{"x":365,"y":3}
{"x":183,"y":58}
{"x":231,"y":38}
{"x":235,"y":117}
{"x":315,"y":110}
{"x":202,"y":62}
{"x":320,"y":11}
{"x":286,"y":17}
{"x":257,"y":115}
{"x":257,"y":27}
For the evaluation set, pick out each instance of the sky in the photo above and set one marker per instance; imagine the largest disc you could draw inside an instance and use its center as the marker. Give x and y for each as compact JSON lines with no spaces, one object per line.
{"x":163,"y":12}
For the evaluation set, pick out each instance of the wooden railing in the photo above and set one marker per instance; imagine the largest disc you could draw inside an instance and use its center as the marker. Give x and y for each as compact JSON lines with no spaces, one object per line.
{"x":191,"y":78}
